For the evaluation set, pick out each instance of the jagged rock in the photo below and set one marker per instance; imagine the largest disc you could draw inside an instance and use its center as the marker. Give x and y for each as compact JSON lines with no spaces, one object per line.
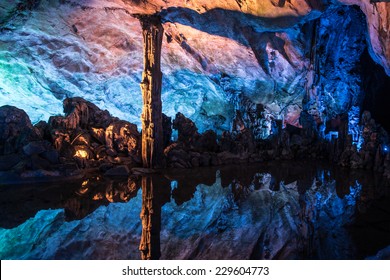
{"x":62,"y":143}
{"x":36,"y":162}
{"x":187,"y":130}
{"x":227,"y":143}
{"x":177,"y":156}
{"x":242,"y":136}
{"x":309,"y":125}
{"x":123,"y":137}
{"x":51,"y":155}
{"x":16,"y":130}
{"x":87,"y":129}
{"x":207,"y":141}
{"x":42,"y":129}
{"x":81,"y":137}
{"x":111,"y":152}
{"x":80,"y":113}
{"x":36,"y":147}
{"x":167,"y":130}
{"x":244,"y":142}
{"x":98,"y":134}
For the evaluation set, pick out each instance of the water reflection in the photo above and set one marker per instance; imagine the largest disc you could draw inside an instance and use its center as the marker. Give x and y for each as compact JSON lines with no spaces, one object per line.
{"x":79,"y":198}
{"x":316,"y":229}
{"x":279,"y":210}
{"x":155,"y":193}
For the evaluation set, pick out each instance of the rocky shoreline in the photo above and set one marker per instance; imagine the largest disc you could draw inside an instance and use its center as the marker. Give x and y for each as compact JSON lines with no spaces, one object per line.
{"x":89,"y":139}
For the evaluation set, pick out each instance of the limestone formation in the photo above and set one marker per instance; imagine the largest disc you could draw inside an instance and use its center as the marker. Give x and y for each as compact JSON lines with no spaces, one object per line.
{"x":152,"y":129}
{"x":167,"y":130}
{"x":86,"y":137}
{"x":148,"y":251}
{"x":152,"y":188}
{"x":16,"y":130}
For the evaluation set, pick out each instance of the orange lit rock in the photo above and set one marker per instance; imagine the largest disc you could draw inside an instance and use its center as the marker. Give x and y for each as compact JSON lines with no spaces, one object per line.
{"x":152,"y":134}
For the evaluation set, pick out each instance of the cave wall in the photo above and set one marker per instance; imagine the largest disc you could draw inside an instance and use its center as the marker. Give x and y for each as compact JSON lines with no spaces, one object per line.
{"x":261,"y":61}
{"x":376,"y":85}
{"x":334,"y":79}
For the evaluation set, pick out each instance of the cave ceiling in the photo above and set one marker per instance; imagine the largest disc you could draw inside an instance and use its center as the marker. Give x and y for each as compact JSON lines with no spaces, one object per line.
{"x":218,"y":56}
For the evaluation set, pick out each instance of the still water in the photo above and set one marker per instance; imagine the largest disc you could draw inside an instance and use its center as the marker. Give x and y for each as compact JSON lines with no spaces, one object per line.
{"x":280,"y":210}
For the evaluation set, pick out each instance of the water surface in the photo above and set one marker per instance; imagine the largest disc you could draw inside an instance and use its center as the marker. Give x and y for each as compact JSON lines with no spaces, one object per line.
{"x":280,"y":210}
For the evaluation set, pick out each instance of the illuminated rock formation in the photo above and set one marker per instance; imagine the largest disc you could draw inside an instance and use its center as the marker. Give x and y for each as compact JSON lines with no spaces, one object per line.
{"x":152,"y":129}
{"x":156,"y":192}
{"x":151,"y":222}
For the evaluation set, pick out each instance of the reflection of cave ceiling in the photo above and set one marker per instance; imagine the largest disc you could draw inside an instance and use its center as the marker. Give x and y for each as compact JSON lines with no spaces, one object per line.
{"x":217,"y":55}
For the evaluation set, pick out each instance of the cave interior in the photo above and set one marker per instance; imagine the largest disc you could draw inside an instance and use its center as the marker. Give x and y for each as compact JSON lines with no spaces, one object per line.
{"x":115,"y":106}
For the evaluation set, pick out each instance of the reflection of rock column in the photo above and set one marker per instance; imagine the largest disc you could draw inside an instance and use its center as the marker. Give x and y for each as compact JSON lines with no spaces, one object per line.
{"x":152,"y":135}
{"x":151,"y":222}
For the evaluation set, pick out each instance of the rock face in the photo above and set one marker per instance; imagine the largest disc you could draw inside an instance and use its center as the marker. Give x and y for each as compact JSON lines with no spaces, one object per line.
{"x":378,"y":23}
{"x":92,"y":135}
{"x":23,"y":152}
{"x":261,"y":62}
{"x":16,"y":130}
{"x":186,"y":129}
{"x":86,"y":137}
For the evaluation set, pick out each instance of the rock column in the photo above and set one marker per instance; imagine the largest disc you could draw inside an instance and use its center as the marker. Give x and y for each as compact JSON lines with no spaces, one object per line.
{"x":156,"y":191}
{"x":151,"y":222}
{"x":152,"y":134}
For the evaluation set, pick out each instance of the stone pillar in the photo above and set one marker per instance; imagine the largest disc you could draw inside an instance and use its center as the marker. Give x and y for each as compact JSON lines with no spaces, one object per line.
{"x":152,"y":134}
{"x":156,"y":191}
{"x":151,"y":222}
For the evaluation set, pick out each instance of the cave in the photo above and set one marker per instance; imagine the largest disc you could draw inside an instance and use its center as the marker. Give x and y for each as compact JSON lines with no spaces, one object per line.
{"x":194,"y":129}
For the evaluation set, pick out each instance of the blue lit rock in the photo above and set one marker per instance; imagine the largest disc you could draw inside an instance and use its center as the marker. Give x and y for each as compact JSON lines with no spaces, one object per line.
{"x":93,"y":49}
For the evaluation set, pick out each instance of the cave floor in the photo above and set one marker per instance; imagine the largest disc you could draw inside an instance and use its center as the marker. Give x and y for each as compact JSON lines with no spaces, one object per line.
{"x":276,"y":210}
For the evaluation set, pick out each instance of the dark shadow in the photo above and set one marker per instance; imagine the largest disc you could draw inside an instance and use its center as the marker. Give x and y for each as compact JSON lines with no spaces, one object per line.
{"x":226,"y":23}
{"x":249,"y":30}
{"x":376,"y":85}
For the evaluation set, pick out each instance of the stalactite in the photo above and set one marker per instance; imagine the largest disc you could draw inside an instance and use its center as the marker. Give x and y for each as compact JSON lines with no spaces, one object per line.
{"x":152,"y":134}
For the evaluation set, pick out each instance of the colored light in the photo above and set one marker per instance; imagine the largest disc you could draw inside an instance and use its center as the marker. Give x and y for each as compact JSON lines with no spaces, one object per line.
{"x":81,"y":154}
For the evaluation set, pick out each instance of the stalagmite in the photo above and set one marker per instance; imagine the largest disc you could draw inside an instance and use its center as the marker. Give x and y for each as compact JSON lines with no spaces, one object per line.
{"x":152,"y":134}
